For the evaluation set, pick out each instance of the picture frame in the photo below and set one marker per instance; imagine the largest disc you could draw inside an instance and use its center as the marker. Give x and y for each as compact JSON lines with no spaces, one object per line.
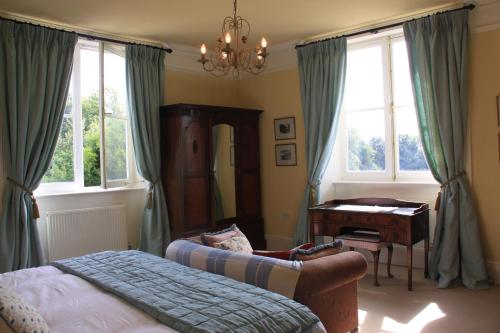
{"x":498,"y":110}
{"x":284,"y":128}
{"x":286,"y":154}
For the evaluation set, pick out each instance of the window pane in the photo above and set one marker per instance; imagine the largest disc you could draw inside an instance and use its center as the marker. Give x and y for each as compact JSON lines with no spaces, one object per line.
{"x":115,"y":98}
{"x":403,"y":95}
{"x":116,"y":148}
{"x":364,"y":79}
{"x":411,"y":155}
{"x":115,"y":90}
{"x":61,"y":167}
{"x":90,"y":115}
{"x":366,"y":140}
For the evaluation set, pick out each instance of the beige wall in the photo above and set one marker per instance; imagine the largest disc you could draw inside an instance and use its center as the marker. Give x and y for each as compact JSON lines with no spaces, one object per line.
{"x":278,"y":94}
{"x":190,"y":88}
{"x":485,"y":86}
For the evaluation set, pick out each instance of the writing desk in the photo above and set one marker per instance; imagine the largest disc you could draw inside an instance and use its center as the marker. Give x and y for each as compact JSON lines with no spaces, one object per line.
{"x":396,"y":221}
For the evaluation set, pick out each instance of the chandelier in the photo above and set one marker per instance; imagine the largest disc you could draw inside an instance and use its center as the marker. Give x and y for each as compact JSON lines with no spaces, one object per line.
{"x":234,"y":58}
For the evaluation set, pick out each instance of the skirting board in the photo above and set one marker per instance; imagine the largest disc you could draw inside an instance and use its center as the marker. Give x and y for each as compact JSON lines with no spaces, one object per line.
{"x":494,"y":270}
{"x":398,"y":258}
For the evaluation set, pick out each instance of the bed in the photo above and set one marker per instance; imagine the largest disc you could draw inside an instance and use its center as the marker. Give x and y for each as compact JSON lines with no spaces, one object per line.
{"x":108,"y":292}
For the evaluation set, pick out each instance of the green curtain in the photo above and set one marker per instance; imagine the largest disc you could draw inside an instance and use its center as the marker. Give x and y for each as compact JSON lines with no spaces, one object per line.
{"x":35,"y":72}
{"x":438,"y":49}
{"x":322,"y":70}
{"x":145,"y":75}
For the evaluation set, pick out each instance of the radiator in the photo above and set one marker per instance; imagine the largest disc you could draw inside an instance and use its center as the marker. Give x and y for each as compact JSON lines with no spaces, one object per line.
{"x":77,"y":232}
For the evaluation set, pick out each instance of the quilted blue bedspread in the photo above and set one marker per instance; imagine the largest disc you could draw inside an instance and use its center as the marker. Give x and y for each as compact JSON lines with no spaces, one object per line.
{"x":187,"y":299}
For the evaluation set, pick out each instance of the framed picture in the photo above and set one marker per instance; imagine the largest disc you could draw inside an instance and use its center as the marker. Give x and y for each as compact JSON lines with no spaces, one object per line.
{"x":231,"y":155}
{"x":286,"y":154}
{"x":498,"y":109}
{"x":284,"y":128}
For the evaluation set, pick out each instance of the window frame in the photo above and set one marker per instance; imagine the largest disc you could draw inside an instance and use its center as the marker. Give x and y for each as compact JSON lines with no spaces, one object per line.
{"x":391,"y":172}
{"x":77,"y":185}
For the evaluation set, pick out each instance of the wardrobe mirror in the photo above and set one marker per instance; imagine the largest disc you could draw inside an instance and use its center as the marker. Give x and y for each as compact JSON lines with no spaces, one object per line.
{"x":223,"y":150}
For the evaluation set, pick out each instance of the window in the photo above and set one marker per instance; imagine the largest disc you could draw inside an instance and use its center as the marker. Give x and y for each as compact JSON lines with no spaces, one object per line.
{"x":94,"y":145}
{"x":378,"y":133}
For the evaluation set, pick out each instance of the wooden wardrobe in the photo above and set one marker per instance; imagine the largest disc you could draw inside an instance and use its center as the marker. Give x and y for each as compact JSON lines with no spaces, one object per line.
{"x":211,"y":170}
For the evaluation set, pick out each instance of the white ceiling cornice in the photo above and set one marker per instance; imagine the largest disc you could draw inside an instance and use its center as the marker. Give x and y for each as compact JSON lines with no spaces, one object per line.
{"x":486,"y":16}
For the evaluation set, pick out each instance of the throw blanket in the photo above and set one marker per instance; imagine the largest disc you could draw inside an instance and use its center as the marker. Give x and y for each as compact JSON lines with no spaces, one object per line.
{"x":276,"y":275}
{"x":188,"y":299}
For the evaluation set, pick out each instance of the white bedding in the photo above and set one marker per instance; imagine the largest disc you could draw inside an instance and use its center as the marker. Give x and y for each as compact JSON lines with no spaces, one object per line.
{"x":71,"y":304}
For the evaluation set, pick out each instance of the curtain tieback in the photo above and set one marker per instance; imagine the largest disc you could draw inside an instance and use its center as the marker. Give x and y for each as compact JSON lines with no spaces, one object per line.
{"x":149,"y":204}
{"x":36,"y":211}
{"x":444,"y":185}
{"x":313,"y":194}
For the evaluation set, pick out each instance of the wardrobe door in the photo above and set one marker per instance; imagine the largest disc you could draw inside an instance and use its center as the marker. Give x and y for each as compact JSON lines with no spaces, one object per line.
{"x":249,"y":173}
{"x":196,"y":176}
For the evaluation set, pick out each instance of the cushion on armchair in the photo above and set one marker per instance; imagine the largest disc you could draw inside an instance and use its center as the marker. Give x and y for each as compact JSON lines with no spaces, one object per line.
{"x":317,"y":251}
{"x":284,"y":255}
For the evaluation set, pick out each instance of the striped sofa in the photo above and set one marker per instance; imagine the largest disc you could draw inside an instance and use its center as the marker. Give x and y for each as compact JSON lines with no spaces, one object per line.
{"x":327,"y":285}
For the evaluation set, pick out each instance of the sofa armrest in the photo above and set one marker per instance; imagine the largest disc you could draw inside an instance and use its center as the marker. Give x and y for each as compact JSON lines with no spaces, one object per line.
{"x":327,"y":273}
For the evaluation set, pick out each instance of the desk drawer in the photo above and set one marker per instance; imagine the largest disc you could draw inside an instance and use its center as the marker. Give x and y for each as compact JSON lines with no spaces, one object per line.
{"x":357,"y":219}
{"x":335,"y":217}
{"x":390,"y":220}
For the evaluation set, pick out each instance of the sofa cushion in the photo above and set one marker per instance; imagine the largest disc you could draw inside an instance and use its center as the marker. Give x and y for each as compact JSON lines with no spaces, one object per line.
{"x":317,"y":251}
{"x":272,"y":274}
{"x":209,"y":238}
{"x":235,"y":244}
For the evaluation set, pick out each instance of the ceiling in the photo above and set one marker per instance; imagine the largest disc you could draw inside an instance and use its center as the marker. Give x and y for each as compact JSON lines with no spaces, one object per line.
{"x":192,"y":22}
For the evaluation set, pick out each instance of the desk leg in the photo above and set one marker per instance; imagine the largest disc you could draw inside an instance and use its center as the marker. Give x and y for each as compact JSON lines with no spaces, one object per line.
{"x":409,"y":263}
{"x":426,"y":258}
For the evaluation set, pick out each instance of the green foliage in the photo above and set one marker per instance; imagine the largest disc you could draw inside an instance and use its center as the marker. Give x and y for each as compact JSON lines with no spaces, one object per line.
{"x":61,"y":166}
{"x":116,"y":149}
{"x":91,"y":140}
{"x":364,"y":156}
{"x":370,"y":156}
{"x":62,"y":169}
{"x":411,"y":155}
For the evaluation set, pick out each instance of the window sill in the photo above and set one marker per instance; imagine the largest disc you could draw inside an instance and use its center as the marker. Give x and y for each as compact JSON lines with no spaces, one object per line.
{"x":387,"y":183}
{"x":93,"y":190}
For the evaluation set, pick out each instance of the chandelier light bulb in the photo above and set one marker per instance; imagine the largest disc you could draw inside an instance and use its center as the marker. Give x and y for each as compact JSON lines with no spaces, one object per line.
{"x":203,"y":49}
{"x":263,"y":42}
{"x":227,"y":38}
{"x":224,"y":55}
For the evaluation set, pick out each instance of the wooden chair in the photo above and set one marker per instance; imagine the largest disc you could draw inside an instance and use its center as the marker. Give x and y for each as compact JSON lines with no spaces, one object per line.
{"x":372,"y":243}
